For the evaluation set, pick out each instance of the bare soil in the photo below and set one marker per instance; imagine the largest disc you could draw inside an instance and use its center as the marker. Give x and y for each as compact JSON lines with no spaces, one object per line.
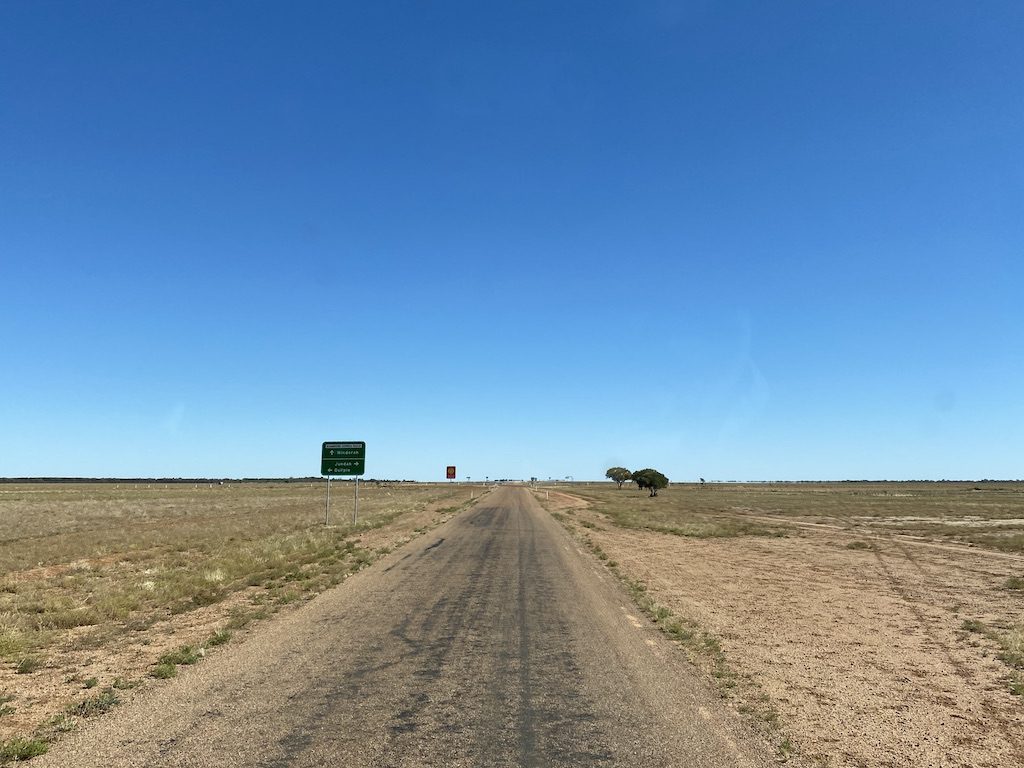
{"x":871,"y":655}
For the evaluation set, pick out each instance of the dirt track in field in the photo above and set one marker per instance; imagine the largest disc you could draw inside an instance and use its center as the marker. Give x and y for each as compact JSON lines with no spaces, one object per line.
{"x":494,"y":641}
{"x":862,"y":651}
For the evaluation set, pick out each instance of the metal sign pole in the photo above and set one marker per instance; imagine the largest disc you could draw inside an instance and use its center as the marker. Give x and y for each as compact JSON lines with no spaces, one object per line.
{"x":327,"y":509}
{"x":355,"y":508}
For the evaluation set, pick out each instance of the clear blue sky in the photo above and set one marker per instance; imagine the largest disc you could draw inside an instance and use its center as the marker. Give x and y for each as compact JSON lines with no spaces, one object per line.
{"x":731,"y":240}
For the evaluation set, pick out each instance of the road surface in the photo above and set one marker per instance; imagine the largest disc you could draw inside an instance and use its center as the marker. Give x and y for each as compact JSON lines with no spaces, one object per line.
{"x":492,"y":641}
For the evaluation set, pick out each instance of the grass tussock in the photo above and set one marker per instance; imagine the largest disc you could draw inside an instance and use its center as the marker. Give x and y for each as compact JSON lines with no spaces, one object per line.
{"x":220,"y":637}
{"x":163,"y":671}
{"x":1012,"y":654}
{"x":56,"y":725}
{"x":1010,"y":644}
{"x":167,"y":665}
{"x":19,"y":748}
{"x":27,"y":665}
{"x":13,"y":641}
{"x":974,"y":626}
{"x":1014,"y":583}
{"x":102,"y":702}
{"x":185,"y":655}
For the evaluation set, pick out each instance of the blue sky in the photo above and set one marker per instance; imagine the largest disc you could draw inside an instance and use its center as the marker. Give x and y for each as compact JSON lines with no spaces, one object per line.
{"x":731,"y":240}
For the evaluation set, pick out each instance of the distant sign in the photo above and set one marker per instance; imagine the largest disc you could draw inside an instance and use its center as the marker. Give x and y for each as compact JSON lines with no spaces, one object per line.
{"x":451,"y":473}
{"x":343,"y":458}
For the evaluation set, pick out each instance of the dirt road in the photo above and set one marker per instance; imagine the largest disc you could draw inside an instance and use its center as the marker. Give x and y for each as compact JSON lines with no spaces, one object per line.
{"x":492,"y":642}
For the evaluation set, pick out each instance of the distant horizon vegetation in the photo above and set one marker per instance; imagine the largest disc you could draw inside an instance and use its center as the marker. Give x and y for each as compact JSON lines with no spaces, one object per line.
{"x":564,"y":481}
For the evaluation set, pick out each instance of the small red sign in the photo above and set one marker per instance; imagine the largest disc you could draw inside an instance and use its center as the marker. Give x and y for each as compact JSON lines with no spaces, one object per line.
{"x":451,"y":473}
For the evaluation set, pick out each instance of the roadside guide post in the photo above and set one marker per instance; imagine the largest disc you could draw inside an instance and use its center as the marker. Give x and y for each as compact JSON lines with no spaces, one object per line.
{"x":342,"y":459}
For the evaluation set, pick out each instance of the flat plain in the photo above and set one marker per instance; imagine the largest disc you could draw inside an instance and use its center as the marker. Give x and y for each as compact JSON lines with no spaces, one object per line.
{"x":867,"y":624}
{"x":494,"y":642}
{"x":853,"y":624}
{"x":108,"y":587}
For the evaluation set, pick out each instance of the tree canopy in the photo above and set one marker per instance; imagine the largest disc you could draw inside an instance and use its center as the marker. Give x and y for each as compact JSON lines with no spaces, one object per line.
{"x":650,"y":479}
{"x":619,"y":474}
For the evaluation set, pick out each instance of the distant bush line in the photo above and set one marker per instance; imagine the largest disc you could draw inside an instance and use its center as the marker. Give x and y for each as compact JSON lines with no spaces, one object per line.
{"x":183,"y":480}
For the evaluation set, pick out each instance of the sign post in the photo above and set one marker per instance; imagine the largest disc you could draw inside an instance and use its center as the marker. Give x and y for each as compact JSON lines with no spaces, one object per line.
{"x":450,"y":472}
{"x":342,"y":459}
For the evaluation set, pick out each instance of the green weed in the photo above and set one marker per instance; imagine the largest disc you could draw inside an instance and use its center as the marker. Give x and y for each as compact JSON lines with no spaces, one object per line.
{"x":163,"y":671}
{"x":21,"y":749}
{"x":27,"y":665}
{"x":1011,"y":650}
{"x":973,"y":625}
{"x":62,"y":723}
{"x":1014,"y":582}
{"x":102,"y":702}
{"x":186,"y":654}
{"x":786,"y":749}
{"x":219,"y":637}
{"x":12,"y":642}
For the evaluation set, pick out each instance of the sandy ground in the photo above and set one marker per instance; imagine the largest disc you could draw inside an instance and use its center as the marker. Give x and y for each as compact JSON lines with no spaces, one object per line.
{"x":862,"y":652}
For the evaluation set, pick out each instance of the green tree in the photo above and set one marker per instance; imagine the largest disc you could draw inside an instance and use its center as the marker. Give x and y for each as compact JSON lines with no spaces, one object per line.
{"x":650,"y":479}
{"x":619,"y":474}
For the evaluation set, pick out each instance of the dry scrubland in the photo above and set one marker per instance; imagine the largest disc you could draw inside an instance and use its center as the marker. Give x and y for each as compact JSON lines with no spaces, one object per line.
{"x":106,"y":587}
{"x":863,"y":624}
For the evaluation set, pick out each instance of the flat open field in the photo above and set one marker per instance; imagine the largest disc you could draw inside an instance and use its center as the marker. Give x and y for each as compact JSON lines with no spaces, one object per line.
{"x":491,"y":643}
{"x":869,"y":624}
{"x":104,"y":586}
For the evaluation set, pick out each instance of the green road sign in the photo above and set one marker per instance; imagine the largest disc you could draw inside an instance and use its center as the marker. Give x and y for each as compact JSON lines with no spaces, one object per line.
{"x":343,"y":458}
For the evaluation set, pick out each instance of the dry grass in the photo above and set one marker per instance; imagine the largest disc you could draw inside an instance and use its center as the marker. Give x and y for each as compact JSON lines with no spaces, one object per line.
{"x":984,"y":514}
{"x":91,"y":574}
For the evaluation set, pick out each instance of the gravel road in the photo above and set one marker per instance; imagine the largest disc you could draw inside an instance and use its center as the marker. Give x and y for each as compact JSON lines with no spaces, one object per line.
{"x":492,"y":641}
